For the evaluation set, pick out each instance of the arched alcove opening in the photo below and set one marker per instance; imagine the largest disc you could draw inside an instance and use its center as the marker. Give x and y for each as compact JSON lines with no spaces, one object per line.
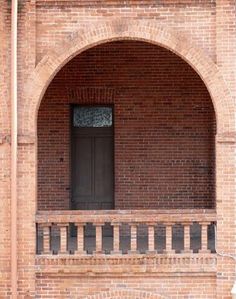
{"x":161,"y":144}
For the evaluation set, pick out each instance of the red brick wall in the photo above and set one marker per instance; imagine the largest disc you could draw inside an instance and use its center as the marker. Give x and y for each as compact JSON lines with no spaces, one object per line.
{"x":194,"y":19}
{"x":164,"y":127}
{"x":180,"y":287}
{"x":4,"y":150}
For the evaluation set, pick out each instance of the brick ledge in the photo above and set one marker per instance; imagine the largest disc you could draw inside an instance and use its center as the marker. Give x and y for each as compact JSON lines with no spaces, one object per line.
{"x":176,"y":264}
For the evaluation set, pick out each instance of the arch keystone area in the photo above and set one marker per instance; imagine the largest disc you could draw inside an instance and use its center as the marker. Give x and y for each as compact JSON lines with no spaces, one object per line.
{"x":125,"y":294}
{"x":147,"y":31}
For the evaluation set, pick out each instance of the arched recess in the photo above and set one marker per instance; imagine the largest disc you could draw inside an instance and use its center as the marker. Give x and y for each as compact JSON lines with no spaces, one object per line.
{"x":122,"y":293}
{"x":35,"y":87}
{"x":148,"y":31}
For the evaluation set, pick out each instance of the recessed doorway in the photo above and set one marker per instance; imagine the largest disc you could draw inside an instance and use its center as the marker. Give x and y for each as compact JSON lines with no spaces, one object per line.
{"x":92,"y":158}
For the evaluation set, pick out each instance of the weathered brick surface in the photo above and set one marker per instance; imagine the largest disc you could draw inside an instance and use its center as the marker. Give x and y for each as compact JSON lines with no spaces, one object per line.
{"x":132,"y":287}
{"x":4,"y":152}
{"x":50,"y":34}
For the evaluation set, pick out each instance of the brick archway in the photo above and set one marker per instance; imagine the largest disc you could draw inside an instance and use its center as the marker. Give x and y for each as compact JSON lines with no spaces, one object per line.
{"x":147,"y":31}
{"x":125,"y":294}
{"x":35,"y":87}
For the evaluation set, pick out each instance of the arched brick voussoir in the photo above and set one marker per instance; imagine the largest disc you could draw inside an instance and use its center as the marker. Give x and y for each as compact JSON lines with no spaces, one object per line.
{"x":148,"y":31}
{"x":125,"y":294}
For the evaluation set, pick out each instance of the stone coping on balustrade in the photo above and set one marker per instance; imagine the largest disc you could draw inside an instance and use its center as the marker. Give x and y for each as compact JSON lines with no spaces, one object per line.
{"x":131,"y":265}
{"x":160,"y":215}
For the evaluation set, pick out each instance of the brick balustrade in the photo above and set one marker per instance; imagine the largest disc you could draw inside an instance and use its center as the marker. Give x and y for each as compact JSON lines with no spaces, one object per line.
{"x":181,"y":229}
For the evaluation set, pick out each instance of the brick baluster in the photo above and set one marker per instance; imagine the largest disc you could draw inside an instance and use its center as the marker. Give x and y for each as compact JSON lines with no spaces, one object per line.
{"x":63,"y":238}
{"x":99,"y":238}
{"x":46,"y":238}
{"x":151,"y":239}
{"x":204,"y":237}
{"x":187,"y":238}
{"x":116,"y":238}
{"x":169,"y":238}
{"x":133,"y":239}
{"x":80,"y":238}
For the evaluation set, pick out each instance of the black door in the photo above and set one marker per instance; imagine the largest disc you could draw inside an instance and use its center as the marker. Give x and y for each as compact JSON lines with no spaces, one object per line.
{"x":92,"y":160}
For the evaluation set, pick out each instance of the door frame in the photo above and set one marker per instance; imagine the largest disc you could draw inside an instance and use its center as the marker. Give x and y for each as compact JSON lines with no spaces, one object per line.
{"x":72,"y":106}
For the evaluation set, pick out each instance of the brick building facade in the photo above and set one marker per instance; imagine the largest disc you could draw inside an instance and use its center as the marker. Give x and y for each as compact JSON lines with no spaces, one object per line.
{"x":137,"y":204}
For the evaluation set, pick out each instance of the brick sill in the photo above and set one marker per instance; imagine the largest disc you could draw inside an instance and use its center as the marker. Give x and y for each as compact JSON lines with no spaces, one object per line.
{"x":172,"y":264}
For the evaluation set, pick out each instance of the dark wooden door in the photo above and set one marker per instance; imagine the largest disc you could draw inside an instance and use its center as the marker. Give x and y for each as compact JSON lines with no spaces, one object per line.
{"x":92,"y":168}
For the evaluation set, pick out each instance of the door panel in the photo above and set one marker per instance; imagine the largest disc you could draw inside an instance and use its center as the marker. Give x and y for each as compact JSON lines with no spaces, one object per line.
{"x":92,"y":168}
{"x":83,"y":171}
{"x":103,"y":170}
{"x":82,"y":186}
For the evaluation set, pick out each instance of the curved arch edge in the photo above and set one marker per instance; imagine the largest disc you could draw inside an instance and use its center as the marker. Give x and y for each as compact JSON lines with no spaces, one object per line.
{"x":125,"y":293}
{"x":147,"y":31}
